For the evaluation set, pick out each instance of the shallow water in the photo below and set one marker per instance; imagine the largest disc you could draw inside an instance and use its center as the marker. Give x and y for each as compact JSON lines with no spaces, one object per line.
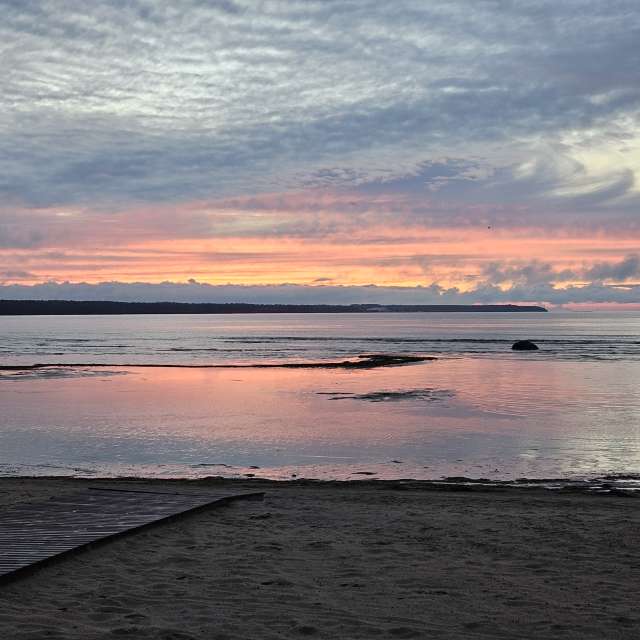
{"x":493,"y":414}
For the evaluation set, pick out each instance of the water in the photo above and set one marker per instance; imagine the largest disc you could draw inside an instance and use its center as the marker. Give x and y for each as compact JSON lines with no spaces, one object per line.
{"x":570,"y":410}
{"x":199,"y":339}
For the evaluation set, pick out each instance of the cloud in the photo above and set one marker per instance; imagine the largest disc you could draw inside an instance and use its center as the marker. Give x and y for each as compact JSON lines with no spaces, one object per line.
{"x":620,"y":271}
{"x":427,"y":176}
{"x":157,"y":102}
{"x":532,"y":273}
{"x":193,"y":291}
{"x":127,"y":127}
{"x":12,"y":275}
{"x":537,"y":273}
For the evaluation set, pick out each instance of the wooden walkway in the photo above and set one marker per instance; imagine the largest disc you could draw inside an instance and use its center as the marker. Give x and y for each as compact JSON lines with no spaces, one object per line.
{"x":35,"y":534}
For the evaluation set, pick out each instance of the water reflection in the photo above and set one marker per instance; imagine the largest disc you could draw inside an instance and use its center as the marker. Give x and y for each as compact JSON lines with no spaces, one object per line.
{"x":480,"y":418}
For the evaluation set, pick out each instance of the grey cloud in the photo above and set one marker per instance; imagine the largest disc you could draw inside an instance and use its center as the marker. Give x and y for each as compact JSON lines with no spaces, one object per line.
{"x":16,"y":274}
{"x":16,"y":233}
{"x":157,"y":101}
{"x":593,"y":293}
{"x":320,"y":294}
{"x":428,"y":175}
{"x":543,"y":274}
{"x":193,"y":291}
{"x":628,"y":268}
{"x":532,"y":273}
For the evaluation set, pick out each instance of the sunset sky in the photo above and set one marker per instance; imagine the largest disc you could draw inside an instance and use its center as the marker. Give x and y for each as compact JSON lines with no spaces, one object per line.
{"x":321,"y":151}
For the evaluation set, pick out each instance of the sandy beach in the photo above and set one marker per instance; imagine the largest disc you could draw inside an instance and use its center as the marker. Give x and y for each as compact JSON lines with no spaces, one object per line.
{"x":344,"y":560}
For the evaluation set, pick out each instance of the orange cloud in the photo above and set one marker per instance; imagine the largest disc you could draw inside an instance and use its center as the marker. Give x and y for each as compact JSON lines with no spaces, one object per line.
{"x":301,"y":238}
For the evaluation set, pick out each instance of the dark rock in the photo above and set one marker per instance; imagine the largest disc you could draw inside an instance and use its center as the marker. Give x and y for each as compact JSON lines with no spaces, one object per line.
{"x":524,"y":345}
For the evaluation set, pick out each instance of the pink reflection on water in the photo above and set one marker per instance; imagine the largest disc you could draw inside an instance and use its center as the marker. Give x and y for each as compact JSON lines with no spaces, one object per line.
{"x":491,"y":418}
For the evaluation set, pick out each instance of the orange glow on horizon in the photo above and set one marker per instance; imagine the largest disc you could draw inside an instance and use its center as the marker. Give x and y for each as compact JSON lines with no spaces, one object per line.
{"x":391,"y":257}
{"x":141,"y":246}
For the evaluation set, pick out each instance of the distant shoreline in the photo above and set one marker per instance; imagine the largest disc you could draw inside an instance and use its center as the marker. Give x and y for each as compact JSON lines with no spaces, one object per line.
{"x":73,"y":307}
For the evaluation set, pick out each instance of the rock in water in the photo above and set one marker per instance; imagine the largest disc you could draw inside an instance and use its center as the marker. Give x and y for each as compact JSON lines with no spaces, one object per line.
{"x":524,"y":345}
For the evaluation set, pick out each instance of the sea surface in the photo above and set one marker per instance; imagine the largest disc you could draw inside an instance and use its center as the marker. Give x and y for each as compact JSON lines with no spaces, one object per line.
{"x":181,"y":396}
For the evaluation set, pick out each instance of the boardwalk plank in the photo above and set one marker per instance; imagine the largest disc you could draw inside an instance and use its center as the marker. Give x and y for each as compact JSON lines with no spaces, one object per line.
{"x":35,"y":534}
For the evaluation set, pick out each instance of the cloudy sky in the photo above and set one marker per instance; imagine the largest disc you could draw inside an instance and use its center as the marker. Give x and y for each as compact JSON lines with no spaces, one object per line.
{"x":329,"y":151}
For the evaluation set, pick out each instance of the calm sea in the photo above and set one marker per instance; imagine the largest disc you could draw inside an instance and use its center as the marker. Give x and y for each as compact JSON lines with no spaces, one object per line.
{"x":481,"y":410}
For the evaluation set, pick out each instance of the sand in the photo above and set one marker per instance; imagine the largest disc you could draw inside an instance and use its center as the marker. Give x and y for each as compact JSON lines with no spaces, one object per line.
{"x":356,"y":560}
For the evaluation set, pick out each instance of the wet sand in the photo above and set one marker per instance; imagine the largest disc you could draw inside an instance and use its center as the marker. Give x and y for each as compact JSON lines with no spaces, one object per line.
{"x":345,"y":560}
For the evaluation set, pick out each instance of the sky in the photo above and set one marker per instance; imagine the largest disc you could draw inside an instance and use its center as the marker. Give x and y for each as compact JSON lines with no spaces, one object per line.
{"x":321,"y":151}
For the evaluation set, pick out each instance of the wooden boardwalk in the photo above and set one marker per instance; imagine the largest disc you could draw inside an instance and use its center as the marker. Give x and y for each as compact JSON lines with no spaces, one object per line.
{"x":35,"y":534}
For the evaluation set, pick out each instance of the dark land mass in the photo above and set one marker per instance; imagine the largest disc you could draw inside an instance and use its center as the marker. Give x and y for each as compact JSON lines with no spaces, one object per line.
{"x":72,"y":307}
